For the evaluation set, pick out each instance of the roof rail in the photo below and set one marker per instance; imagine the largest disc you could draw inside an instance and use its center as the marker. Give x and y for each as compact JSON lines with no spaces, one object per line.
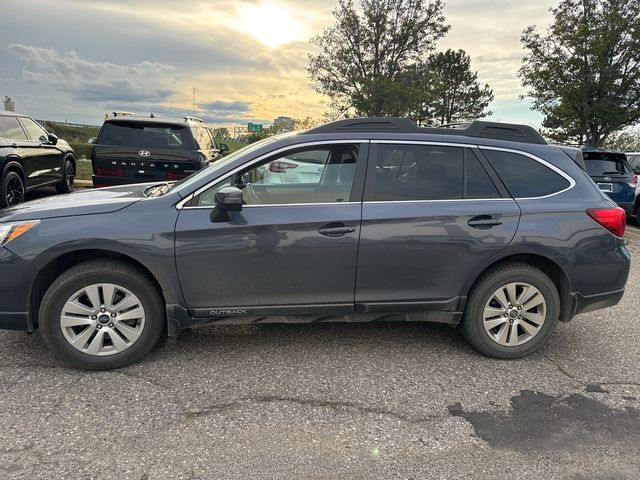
{"x":479,"y":129}
{"x":125,"y":114}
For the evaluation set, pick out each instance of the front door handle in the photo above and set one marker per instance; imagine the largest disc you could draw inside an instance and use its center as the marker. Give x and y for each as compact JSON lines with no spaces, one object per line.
{"x":484,"y":222}
{"x":336,"y":229}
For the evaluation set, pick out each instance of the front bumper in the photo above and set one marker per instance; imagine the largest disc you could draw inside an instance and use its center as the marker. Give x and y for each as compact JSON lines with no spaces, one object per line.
{"x":17,"y":278}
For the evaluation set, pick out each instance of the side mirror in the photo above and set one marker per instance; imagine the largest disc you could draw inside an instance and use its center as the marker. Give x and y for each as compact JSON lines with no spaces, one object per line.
{"x":228,"y":199}
{"x":53,"y":138}
{"x":91,"y":141}
{"x":224,"y":147}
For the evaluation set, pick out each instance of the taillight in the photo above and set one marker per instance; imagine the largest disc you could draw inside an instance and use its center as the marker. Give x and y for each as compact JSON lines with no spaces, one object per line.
{"x":177,"y":175}
{"x":613,"y":219}
{"x":280,"y":166}
{"x":109,"y":172}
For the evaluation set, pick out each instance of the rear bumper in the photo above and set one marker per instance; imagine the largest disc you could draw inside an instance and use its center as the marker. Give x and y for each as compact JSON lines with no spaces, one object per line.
{"x":626,"y":206}
{"x":16,"y":281}
{"x":589,"y":303}
{"x":99,"y":182}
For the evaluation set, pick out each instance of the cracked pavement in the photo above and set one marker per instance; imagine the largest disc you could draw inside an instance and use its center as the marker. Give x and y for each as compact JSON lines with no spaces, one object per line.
{"x":396,"y":401}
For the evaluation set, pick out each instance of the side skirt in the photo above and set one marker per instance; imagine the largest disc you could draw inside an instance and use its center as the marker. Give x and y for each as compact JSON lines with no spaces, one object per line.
{"x":180,"y":318}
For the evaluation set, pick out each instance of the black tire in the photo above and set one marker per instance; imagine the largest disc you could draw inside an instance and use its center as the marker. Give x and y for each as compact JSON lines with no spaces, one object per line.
{"x":11,"y":189}
{"x":94,"y":272}
{"x":68,"y":177}
{"x":483,"y":290}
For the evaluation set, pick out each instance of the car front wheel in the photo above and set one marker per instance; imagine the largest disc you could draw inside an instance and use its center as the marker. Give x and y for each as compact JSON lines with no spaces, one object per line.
{"x":512,"y":311}
{"x":101,"y":315}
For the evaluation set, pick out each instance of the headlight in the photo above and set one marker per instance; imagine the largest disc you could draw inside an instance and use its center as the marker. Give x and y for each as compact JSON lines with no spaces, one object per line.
{"x":11,"y":231}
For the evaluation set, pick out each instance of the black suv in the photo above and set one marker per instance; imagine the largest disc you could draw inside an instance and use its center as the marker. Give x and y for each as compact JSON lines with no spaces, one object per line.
{"x":485,"y":226}
{"x":135,"y":149}
{"x":30,"y":158}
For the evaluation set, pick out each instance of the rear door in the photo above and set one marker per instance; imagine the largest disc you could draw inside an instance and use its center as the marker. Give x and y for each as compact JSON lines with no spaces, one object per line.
{"x":135,"y":152}
{"x":22,"y":148}
{"x":432,"y":214}
{"x":47,"y":161}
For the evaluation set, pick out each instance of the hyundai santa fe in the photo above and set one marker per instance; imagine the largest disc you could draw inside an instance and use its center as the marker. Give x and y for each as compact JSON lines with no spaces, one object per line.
{"x":481,"y":225}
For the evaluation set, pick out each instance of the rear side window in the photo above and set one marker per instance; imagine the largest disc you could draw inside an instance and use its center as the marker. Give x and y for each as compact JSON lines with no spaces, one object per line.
{"x":203,"y":138}
{"x":525,"y":177}
{"x":430,"y":172}
{"x":418,"y":172}
{"x":11,"y":129}
{"x":131,"y":134}
{"x":605,"y":164}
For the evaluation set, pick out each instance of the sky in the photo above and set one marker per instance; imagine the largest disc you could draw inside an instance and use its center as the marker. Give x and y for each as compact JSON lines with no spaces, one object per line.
{"x":76,"y":60}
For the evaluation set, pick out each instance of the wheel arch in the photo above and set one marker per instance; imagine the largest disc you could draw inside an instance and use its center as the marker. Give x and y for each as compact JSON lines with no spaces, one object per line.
{"x":14,"y":164}
{"x":549,"y":267}
{"x":58,"y":265}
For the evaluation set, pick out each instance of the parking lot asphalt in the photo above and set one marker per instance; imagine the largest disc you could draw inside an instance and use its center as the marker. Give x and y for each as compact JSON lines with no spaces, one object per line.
{"x":394,"y":400}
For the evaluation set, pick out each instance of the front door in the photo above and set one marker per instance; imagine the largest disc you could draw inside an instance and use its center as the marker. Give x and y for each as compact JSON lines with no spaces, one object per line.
{"x":293,"y":247}
{"x":46,"y":160}
{"x":432,"y":216}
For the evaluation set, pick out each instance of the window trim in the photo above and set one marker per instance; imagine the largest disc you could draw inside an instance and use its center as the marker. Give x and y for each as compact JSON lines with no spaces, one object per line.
{"x":182,"y":204}
{"x":563,"y":174}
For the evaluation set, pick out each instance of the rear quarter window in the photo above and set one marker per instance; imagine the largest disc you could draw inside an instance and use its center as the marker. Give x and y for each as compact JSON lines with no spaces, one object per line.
{"x":525,"y":177}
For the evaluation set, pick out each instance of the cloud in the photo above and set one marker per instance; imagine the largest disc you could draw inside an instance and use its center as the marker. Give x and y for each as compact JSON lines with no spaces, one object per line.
{"x":220,"y":106}
{"x":90,"y":81}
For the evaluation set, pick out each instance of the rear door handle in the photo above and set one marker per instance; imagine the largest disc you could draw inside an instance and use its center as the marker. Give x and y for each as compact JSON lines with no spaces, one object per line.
{"x":484,"y":221}
{"x":336,"y":229}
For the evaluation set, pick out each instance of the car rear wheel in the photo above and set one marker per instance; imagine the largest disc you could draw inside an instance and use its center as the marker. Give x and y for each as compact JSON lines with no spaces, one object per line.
{"x":68,"y":178}
{"x":512,"y":311}
{"x":101,"y":315}
{"x":11,"y":189}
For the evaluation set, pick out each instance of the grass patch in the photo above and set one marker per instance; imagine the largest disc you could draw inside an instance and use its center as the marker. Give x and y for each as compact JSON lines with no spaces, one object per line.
{"x":84,"y":170}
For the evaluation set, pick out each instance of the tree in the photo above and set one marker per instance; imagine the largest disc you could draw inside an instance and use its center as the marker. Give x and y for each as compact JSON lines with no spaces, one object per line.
{"x":625,"y":141}
{"x":220,"y":133}
{"x":364,"y":54}
{"x":445,"y":90}
{"x":584,"y":74}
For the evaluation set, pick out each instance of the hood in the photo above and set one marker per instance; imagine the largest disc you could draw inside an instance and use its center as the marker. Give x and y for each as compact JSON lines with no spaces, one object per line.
{"x":83,"y":202}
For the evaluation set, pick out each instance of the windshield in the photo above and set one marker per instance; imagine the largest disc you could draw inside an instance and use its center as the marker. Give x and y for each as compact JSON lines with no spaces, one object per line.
{"x":190,"y":180}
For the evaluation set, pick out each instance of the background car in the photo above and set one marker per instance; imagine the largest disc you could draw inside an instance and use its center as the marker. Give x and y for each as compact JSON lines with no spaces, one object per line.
{"x":30,"y":158}
{"x":135,"y":149}
{"x":613,"y":175}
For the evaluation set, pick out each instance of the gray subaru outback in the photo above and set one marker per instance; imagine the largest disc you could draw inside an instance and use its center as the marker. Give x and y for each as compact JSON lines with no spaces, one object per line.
{"x":481,"y":225}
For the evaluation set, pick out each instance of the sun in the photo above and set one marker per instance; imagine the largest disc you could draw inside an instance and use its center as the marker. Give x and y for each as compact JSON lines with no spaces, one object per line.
{"x":271,"y":24}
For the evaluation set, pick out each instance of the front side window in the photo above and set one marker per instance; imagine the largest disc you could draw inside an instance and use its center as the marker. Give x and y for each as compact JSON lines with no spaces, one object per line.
{"x":314,"y":175}
{"x":525,"y":177}
{"x":35,"y":131}
{"x":139,"y":135}
{"x":11,"y":129}
{"x":418,"y":172}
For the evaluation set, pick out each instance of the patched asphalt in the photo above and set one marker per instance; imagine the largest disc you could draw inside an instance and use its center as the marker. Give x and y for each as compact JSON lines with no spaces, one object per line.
{"x":396,"y":401}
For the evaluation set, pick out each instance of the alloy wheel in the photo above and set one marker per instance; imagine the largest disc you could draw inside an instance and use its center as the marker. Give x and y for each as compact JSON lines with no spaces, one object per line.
{"x":102,"y":319}
{"x":514,"y":314}
{"x":15,"y":191}
{"x":70,"y":176}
